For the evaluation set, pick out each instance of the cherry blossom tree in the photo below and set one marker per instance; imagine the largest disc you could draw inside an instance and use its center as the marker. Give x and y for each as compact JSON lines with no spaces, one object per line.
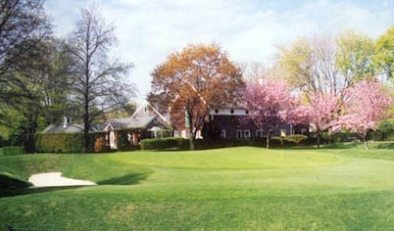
{"x":268,"y":102}
{"x":321,"y":112}
{"x":366,"y":104}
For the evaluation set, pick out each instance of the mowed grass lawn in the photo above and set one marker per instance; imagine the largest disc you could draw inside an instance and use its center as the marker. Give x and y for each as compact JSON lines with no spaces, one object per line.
{"x":242,"y":188}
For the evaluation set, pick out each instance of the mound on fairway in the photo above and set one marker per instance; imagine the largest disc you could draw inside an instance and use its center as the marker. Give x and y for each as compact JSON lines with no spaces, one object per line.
{"x":223,"y":189}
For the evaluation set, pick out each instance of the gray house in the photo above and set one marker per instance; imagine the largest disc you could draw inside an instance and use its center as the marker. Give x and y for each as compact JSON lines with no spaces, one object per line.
{"x":146,"y":122}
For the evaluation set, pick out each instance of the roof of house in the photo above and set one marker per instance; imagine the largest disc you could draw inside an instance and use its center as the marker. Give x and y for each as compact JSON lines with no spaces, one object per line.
{"x":131,"y":122}
{"x":141,"y":118}
{"x":71,"y":128}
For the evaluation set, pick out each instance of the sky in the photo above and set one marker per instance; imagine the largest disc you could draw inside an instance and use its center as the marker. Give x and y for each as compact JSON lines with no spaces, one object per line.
{"x":248,"y":30}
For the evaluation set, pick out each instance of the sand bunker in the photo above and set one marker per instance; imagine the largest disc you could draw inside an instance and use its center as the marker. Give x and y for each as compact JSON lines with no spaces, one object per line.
{"x":53,"y":179}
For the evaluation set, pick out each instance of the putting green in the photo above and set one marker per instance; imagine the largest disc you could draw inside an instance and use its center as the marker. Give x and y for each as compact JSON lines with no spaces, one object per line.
{"x":241,"y":188}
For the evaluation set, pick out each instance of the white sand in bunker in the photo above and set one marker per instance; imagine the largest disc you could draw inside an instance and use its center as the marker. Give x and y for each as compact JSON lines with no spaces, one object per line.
{"x":53,"y":179}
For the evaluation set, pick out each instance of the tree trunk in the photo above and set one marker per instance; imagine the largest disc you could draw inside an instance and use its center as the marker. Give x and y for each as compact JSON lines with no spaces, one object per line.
{"x":86,"y":129}
{"x":318,"y":136}
{"x":192,"y":143}
{"x":365,"y":142}
{"x":268,"y":140}
{"x":191,"y":133}
{"x":30,"y":138}
{"x":29,"y":141}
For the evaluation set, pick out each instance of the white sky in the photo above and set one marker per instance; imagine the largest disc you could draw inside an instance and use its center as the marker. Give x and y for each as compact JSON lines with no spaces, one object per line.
{"x":149,"y":30}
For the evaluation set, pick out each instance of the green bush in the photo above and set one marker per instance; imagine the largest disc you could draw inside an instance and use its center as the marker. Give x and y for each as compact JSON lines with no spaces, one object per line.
{"x":164,"y":143}
{"x":202,"y":144}
{"x":386,"y":128}
{"x":296,"y":138}
{"x":12,"y":150}
{"x":66,"y":142}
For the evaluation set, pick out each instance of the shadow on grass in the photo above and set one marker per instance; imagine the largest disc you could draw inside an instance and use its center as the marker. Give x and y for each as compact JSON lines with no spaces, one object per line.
{"x":9,"y":181}
{"x":342,"y":145}
{"x":385,"y":146}
{"x":9,"y":192}
{"x":128,"y":179}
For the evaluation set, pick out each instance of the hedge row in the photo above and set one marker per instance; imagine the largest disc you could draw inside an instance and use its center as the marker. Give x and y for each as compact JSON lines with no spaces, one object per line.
{"x":275,"y":142}
{"x":182,"y":143}
{"x":165,"y":143}
{"x":11,"y":150}
{"x":70,"y":142}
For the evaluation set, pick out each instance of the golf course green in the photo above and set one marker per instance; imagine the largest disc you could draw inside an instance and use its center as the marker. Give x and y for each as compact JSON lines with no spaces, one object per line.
{"x":245,"y":188}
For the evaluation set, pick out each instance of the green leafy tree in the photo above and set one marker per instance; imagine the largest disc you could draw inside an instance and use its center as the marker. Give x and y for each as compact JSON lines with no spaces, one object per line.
{"x":23,"y":24}
{"x":38,"y":91}
{"x":384,"y":57}
{"x":327,"y":65}
{"x":354,"y":55}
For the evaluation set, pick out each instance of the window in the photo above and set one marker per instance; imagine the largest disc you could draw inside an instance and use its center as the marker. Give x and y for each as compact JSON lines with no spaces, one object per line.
{"x":216,"y":111}
{"x":247,"y":112}
{"x":239,"y":134}
{"x":232,"y":111}
{"x":176,"y":133}
{"x":246,"y":133}
{"x":259,"y":133}
{"x":303,"y":131}
{"x":223,"y":133}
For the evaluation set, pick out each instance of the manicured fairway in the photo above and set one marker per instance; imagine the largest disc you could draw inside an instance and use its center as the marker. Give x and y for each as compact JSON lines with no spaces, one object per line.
{"x":241,"y":188}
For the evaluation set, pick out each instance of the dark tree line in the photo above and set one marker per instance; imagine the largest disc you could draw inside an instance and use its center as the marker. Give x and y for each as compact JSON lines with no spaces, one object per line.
{"x":43,"y":78}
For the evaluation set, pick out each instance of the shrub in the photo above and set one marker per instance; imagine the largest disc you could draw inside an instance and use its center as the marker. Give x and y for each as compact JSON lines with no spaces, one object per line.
{"x":67,"y":142}
{"x":309,"y":141}
{"x":277,"y":141}
{"x":296,"y":138}
{"x":12,"y":150}
{"x":59,"y":142}
{"x":164,"y":143}
{"x":386,"y":127}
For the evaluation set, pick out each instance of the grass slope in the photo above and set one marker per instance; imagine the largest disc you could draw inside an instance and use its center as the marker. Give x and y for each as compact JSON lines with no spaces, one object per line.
{"x":245,"y":188}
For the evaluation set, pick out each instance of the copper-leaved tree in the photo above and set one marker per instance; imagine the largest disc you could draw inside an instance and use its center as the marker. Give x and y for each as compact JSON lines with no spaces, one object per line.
{"x":192,"y":81}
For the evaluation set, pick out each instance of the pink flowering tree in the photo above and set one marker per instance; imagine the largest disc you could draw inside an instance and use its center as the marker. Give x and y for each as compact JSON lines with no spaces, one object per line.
{"x":365,"y":104}
{"x":268,"y":102}
{"x":321,"y":112}
{"x":297,"y":113}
